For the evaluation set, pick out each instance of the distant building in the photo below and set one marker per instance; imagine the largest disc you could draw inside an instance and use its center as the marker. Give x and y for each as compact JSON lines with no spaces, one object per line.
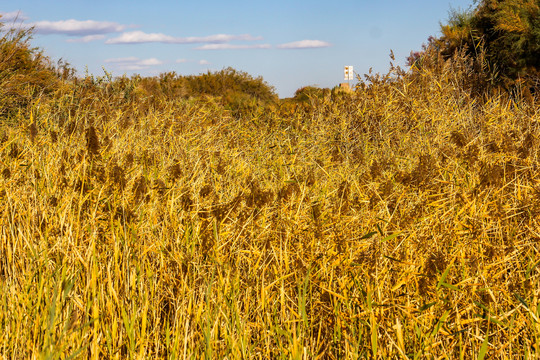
{"x":345,"y":86}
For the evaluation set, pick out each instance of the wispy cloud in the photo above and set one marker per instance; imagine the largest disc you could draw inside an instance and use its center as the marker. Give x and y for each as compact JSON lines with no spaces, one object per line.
{"x":12,"y":16}
{"x":133,"y":63}
{"x":185,"y":61}
{"x":140,"y":37}
{"x":76,"y":27}
{"x":232,"y":46}
{"x":305,"y":44}
{"x":85,"y":39}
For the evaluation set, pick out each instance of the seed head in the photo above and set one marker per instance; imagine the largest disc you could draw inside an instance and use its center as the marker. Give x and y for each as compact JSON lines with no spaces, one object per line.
{"x":92,"y":141}
{"x":33,"y":131}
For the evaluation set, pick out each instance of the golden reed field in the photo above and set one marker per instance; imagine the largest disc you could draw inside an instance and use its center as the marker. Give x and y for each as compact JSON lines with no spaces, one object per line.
{"x":398,"y":221}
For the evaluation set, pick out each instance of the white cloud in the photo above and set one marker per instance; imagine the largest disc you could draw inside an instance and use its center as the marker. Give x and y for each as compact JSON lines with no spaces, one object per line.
{"x":232,"y":47}
{"x":133,"y":63}
{"x":181,"y":61}
{"x":305,"y":44}
{"x":151,"y":62}
{"x":121,"y":60}
{"x":85,"y":39}
{"x":12,"y":16}
{"x":76,"y":27}
{"x":204,"y":62}
{"x":222,"y":38}
{"x":139,"y":37}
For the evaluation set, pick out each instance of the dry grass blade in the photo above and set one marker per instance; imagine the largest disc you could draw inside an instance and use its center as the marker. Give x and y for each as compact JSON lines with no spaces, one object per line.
{"x":399,"y":221}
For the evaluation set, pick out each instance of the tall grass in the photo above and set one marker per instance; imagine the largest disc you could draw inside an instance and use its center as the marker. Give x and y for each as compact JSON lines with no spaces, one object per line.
{"x":398,"y":222}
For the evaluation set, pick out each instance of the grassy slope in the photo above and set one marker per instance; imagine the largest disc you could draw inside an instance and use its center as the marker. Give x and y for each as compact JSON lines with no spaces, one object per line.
{"x":400,"y":222}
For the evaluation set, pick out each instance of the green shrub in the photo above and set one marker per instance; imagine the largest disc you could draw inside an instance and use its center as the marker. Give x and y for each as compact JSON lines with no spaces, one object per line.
{"x":502,"y":39}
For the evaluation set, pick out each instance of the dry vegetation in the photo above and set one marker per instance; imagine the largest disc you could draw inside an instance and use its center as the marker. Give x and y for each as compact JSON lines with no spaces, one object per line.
{"x":401,"y":221}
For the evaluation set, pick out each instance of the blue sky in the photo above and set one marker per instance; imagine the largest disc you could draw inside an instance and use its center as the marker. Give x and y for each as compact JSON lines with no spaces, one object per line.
{"x":289,"y":43}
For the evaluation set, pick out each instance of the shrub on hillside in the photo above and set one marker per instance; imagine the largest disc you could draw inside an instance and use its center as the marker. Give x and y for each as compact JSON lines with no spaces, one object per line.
{"x":229,"y":80}
{"x":236,"y":90}
{"x":25,"y":73}
{"x":306,"y":93}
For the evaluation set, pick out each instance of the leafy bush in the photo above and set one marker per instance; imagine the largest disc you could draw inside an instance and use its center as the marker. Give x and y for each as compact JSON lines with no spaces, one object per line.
{"x":502,"y":38}
{"x":25,"y":73}
{"x":236,"y":90}
{"x":239,"y":91}
{"x":230,"y":80}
